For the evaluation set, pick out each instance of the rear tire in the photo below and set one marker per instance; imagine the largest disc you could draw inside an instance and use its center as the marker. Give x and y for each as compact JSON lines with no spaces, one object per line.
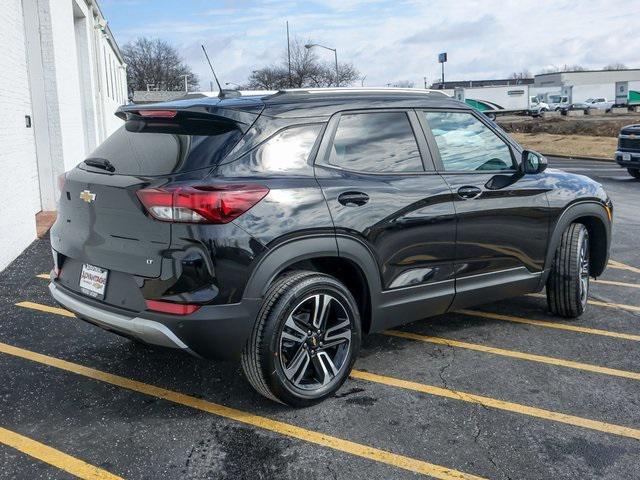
{"x":305,"y":340}
{"x":568,"y":282}
{"x":634,"y":172}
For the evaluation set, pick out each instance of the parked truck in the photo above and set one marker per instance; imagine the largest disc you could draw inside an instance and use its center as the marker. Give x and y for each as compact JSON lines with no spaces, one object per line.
{"x":504,"y":99}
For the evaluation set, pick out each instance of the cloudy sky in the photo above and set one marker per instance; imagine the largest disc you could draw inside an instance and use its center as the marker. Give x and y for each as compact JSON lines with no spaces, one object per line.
{"x":390,"y":41}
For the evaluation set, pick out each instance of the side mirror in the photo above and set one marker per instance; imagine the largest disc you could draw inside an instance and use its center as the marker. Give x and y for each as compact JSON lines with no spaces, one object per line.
{"x":533,"y":162}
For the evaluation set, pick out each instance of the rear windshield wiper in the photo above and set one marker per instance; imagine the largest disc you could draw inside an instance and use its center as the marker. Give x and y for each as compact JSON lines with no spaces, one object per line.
{"x":100,"y":163}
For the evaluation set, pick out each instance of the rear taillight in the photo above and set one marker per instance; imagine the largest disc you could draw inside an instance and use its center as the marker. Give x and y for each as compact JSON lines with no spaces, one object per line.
{"x":201,"y":204}
{"x":172,"y":308}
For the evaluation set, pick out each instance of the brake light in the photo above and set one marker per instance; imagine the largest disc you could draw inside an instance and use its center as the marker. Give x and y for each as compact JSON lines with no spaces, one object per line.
{"x":201,"y":204}
{"x":170,"y":307}
{"x":158,"y":113}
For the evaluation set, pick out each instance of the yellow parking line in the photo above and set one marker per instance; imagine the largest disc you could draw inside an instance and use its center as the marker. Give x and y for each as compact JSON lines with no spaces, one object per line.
{"x":617,"y":284}
{"x":559,"y":362}
{"x":622,"y":266}
{"x":321,"y":439}
{"x":598,"y":303}
{"x":45,"y":276}
{"x":499,"y":404}
{"x":289,"y":430}
{"x":54,"y":457}
{"x":631,"y":308}
{"x":45,"y":308}
{"x":550,"y":324}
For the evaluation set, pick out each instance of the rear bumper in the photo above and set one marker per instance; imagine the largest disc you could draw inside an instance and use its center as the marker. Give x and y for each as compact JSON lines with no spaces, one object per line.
{"x":214,"y":331}
{"x":634,"y":161}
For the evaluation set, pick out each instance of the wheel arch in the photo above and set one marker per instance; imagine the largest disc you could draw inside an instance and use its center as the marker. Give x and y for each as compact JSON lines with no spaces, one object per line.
{"x":593,"y":215}
{"x":347,"y":260}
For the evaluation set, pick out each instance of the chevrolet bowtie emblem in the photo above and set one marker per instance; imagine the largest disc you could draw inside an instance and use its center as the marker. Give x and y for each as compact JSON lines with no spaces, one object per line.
{"x":87,"y":196}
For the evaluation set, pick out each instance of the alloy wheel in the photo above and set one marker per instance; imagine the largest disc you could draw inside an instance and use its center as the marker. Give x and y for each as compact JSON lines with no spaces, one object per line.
{"x":315,"y":342}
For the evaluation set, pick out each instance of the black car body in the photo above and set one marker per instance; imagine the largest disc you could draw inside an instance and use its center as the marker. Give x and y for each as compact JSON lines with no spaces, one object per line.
{"x":408,"y":237}
{"x":628,"y":153}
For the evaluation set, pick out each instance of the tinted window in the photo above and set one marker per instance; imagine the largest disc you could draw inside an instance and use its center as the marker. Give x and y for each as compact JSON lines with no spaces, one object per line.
{"x":287,"y":152}
{"x":376,"y":142}
{"x":465,"y":143}
{"x":144,"y":153}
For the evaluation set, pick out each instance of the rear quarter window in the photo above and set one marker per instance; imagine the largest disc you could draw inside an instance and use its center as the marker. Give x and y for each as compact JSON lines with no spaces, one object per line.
{"x":286,"y":153}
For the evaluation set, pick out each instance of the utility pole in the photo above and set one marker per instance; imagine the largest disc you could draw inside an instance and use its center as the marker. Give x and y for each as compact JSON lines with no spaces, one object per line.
{"x":186,"y":83}
{"x":425,"y":83}
{"x":289,"y":55}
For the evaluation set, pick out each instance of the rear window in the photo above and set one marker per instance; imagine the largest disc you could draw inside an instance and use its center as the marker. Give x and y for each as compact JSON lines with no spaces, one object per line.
{"x":154,"y":153}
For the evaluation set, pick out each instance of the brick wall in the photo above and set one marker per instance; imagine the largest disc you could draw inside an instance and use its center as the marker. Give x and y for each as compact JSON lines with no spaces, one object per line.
{"x":19,"y":178}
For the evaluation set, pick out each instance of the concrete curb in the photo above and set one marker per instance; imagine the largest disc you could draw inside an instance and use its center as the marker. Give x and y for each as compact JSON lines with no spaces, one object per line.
{"x":571,"y":157}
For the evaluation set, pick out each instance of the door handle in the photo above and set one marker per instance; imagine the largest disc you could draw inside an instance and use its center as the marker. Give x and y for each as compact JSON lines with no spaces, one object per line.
{"x":353,"y":199}
{"x":468,"y":192}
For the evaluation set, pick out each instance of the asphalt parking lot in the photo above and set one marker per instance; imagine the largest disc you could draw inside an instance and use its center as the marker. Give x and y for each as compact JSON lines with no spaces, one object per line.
{"x":502,"y":391}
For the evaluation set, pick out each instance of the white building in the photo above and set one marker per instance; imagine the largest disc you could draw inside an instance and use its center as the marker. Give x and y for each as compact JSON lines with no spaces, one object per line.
{"x":61,"y":79}
{"x":586,"y":77}
{"x":621,"y":86}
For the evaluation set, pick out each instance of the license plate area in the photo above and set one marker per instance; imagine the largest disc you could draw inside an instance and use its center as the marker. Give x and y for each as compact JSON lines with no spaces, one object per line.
{"x":626,"y":157}
{"x":93,"y":280}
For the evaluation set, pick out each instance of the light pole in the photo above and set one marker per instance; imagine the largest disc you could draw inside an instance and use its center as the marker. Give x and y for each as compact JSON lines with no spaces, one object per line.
{"x":335,"y":53}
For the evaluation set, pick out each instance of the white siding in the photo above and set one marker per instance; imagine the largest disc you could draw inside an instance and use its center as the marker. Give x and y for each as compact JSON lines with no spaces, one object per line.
{"x":19,"y":178}
{"x":54,"y":67}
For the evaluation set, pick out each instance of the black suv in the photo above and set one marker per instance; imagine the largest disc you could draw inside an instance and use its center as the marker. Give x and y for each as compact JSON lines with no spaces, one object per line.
{"x":628,"y":153}
{"x":278,"y":229}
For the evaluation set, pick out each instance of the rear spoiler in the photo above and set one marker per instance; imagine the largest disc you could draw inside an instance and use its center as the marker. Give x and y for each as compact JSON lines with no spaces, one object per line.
{"x":171,"y":112}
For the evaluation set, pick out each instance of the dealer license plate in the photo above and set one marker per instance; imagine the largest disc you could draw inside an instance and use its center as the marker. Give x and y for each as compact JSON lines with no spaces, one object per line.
{"x":93,"y":280}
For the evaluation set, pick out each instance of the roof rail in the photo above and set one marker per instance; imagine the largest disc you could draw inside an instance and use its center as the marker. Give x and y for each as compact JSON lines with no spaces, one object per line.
{"x":347,"y":90}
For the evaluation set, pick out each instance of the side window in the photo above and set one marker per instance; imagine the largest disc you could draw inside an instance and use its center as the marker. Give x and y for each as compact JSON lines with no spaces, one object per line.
{"x":467,"y":144}
{"x":380,"y":142}
{"x":287,"y":152}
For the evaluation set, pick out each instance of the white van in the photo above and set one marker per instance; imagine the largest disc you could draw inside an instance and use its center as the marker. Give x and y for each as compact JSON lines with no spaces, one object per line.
{"x":557,"y":101}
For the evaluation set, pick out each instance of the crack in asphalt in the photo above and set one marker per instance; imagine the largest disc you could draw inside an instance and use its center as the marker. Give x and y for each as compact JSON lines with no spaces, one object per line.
{"x":476,"y":437}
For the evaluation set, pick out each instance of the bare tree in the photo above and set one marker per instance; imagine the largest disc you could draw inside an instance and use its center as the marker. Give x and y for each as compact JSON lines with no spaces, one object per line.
{"x":404,"y":84}
{"x":268,"y":78}
{"x":564,"y":68}
{"x":615,"y":66}
{"x":521,"y":75}
{"x":156,"y":62}
{"x":307,"y":70}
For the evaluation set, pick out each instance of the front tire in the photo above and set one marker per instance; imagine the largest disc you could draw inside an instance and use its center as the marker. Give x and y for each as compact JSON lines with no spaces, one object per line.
{"x":568,"y":282}
{"x":305,"y":340}
{"x":634,"y":172}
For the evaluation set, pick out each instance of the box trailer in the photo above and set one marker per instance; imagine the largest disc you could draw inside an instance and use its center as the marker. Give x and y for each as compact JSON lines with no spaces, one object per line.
{"x":502,"y":100}
{"x":627,"y":93}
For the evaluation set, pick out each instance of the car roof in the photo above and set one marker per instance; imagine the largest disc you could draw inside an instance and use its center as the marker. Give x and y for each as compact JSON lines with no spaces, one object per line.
{"x":325,"y":102}
{"x":322,"y":102}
